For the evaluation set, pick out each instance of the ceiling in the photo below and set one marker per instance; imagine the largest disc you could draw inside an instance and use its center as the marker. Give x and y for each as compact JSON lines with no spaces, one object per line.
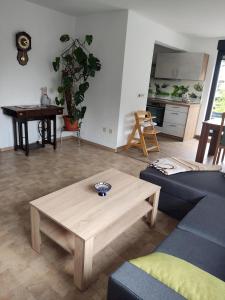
{"x":75,"y":7}
{"x":193,"y":17}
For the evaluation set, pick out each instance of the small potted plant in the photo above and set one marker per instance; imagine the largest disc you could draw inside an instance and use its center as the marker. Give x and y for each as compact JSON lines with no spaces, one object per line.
{"x":76,"y":65}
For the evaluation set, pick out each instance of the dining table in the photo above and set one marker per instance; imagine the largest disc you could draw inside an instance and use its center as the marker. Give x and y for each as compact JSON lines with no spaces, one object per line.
{"x":211,"y":128}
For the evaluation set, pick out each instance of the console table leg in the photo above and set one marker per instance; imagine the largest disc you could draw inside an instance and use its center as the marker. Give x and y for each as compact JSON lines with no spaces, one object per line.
{"x":15,"y":134}
{"x":35,"y":229}
{"x":20,"y":130}
{"x":26,"y":138}
{"x":83,"y":259}
{"x":54,"y":132}
{"x":49,"y":131}
{"x":43,"y":133}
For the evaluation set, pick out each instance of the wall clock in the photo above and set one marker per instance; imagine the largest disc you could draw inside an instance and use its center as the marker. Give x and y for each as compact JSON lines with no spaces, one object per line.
{"x":23,"y":44}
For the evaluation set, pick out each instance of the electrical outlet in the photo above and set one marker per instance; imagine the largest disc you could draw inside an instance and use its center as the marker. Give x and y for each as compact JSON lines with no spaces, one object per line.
{"x":110,"y":131}
{"x":104,"y":129}
{"x":141,"y":95}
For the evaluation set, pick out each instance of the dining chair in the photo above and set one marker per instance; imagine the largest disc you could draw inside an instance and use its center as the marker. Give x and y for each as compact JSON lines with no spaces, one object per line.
{"x":220,"y":146}
{"x":145,"y":128}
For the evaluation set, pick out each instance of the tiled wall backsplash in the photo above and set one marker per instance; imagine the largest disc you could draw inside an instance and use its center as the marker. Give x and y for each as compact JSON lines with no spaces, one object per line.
{"x":176,"y":88}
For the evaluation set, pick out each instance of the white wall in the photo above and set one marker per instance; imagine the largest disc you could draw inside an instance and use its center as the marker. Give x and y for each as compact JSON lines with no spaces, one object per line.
{"x":103,"y":97}
{"x":124,"y":42}
{"x":208,"y":46}
{"x":141,"y":36}
{"x":18,"y":84}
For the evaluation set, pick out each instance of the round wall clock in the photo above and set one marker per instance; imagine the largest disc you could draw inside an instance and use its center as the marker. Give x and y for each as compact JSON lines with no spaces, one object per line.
{"x":23,"y":44}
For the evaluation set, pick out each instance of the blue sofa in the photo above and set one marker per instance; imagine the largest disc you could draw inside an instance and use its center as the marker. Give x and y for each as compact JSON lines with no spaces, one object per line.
{"x":198,"y":200}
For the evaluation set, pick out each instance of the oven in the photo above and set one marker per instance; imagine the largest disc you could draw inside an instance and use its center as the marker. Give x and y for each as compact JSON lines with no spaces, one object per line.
{"x":157,"y":110}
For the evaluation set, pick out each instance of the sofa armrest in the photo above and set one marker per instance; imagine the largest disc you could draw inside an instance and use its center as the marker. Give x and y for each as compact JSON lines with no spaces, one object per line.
{"x":130,"y":282}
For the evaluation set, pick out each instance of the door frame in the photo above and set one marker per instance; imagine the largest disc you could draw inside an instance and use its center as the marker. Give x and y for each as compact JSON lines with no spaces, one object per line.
{"x":220,"y":55}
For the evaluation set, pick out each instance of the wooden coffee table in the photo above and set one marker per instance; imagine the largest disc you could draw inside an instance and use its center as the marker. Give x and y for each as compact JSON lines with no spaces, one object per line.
{"x":83,"y":223}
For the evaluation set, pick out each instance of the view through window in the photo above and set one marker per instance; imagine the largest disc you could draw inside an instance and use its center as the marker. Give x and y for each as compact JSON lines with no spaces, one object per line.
{"x":219,"y":100}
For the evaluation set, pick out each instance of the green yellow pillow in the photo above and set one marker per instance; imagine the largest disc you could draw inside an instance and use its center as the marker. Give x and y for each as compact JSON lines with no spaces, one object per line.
{"x":184,"y":278}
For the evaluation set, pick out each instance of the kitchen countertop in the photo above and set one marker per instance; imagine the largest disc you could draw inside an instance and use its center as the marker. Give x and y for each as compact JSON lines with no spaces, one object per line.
{"x":172,"y":101}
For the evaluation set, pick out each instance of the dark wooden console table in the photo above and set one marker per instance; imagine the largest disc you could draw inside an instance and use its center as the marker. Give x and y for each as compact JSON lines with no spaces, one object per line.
{"x":24,"y":113}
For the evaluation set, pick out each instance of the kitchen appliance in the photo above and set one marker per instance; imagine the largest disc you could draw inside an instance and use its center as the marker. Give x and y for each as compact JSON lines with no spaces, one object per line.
{"x":157,"y":110}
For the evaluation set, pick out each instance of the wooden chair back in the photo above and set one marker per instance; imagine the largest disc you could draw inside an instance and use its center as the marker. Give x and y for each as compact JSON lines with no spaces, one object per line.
{"x":144,"y":126}
{"x":220,"y":146}
{"x":144,"y":119}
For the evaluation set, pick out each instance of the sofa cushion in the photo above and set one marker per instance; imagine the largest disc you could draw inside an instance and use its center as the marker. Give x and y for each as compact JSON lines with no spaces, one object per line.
{"x":179,"y":185}
{"x":207,"y":219}
{"x":201,"y":182}
{"x":131,"y":283}
{"x":181,"y":276}
{"x":201,"y":252}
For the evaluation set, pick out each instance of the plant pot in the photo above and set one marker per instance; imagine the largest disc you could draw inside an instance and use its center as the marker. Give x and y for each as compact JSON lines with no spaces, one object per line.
{"x":70,"y":126}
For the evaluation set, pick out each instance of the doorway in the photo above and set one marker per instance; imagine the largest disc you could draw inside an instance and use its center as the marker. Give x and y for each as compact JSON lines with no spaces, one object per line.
{"x":216,"y":105}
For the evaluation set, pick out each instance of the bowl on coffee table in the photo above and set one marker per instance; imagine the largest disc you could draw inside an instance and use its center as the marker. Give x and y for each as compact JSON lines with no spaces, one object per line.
{"x":102,"y":188}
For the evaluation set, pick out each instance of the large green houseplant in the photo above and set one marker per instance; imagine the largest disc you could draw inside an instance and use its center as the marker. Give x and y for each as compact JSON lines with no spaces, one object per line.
{"x":76,"y":65}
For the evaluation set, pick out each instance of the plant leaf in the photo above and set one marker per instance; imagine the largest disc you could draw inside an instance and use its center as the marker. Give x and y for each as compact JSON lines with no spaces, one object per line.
{"x":83,"y":111}
{"x":83,"y":87}
{"x":80,"y":55}
{"x":94,"y":62}
{"x":56,"y":64}
{"x":78,"y":97}
{"x":60,"y":89}
{"x":64,"y":38}
{"x":57,"y":101}
{"x":92,"y":73}
{"x":62,"y":101}
{"x":89,"y":39}
{"x":68,"y":58}
{"x":77,"y":114}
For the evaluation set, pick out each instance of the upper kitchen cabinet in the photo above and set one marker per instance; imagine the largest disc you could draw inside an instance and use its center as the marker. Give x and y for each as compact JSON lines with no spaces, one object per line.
{"x":184,"y":65}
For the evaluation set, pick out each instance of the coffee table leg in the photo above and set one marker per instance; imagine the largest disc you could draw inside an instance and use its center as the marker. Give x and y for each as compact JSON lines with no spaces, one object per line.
{"x":35,"y":229}
{"x":83,"y":259}
{"x":154,"y":200}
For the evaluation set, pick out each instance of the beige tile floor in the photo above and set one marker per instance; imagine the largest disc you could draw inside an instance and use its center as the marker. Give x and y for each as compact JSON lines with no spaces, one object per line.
{"x":26,"y":275}
{"x":168,"y":147}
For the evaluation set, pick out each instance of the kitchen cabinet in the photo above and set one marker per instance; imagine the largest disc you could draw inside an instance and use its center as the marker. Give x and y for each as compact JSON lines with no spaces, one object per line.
{"x":184,"y":65}
{"x":180,"y":121}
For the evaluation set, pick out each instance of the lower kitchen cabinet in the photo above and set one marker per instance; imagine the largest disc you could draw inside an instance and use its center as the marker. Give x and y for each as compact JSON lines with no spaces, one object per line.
{"x":180,"y":121}
{"x":173,"y":129}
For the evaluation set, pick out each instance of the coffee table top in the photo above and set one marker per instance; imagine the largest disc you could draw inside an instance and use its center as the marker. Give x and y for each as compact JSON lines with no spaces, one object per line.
{"x":79,"y":209}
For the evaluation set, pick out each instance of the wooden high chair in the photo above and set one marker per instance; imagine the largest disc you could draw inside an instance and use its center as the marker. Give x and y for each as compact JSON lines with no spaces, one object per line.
{"x":145,"y":128}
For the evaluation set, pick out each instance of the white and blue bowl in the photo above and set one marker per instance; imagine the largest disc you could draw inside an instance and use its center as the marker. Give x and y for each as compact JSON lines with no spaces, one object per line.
{"x":102,"y":188}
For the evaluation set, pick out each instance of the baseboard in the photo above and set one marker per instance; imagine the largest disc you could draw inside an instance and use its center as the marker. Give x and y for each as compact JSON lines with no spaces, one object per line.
{"x":64,"y":138}
{"x":171,"y":136}
{"x":121,"y":148}
{"x":6,"y":149}
{"x":97,"y":145}
{"x":115,"y":150}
